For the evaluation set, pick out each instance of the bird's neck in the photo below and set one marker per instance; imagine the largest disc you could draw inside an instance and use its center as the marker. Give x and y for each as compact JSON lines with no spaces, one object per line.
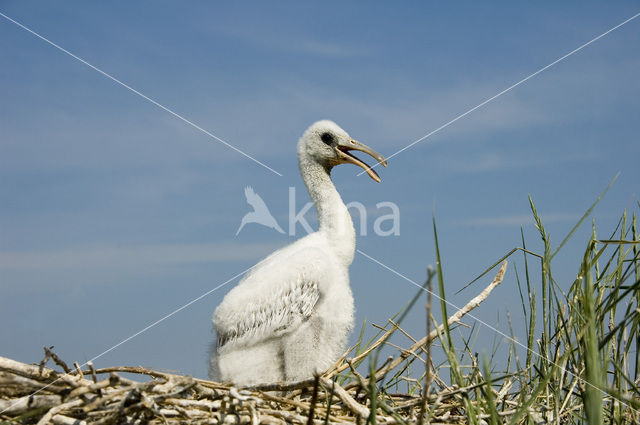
{"x":333,"y":216}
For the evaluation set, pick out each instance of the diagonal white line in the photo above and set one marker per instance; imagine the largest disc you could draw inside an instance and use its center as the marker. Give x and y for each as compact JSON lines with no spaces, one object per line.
{"x":480,"y":105}
{"x":114,"y":79}
{"x":499,"y":332}
{"x":138,"y":333}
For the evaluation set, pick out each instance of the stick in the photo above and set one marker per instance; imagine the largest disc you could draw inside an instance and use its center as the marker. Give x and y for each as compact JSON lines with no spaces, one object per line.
{"x":348,"y":401}
{"x":453,"y":319}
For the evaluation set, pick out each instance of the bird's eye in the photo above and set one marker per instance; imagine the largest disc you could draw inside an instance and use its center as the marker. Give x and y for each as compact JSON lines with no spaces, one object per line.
{"x":327,"y":138}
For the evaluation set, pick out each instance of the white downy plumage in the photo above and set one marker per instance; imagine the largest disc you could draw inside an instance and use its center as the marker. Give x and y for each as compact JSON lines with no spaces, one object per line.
{"x":290,"y":316}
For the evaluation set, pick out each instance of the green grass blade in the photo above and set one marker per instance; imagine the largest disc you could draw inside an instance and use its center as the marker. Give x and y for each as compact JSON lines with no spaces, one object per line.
{"x":592,"y":394}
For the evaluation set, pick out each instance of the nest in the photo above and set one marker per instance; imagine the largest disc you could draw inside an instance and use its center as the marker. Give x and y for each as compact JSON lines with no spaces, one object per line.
{"x":37,"y":394}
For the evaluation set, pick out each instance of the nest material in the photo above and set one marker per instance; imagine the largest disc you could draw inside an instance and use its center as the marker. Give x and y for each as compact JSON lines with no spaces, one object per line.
{"x":36,"y":394}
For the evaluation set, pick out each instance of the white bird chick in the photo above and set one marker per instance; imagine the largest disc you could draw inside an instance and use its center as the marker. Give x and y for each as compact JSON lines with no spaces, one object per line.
{"x":289,"y":318}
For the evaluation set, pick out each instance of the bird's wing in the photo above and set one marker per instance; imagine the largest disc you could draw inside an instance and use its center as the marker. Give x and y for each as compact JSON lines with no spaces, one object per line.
{"x":270,"y":305}
{"x":255,"y":200}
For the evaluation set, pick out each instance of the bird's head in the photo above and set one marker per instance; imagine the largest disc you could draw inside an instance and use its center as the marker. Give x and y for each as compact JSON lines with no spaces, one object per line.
{"x":329,"y":145}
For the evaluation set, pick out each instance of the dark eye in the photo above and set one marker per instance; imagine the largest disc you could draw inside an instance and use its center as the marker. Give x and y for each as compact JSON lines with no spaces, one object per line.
{"x":327,"y":138}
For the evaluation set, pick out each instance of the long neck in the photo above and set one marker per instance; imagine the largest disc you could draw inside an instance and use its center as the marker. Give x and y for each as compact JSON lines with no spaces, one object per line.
{"x":335,"y":221}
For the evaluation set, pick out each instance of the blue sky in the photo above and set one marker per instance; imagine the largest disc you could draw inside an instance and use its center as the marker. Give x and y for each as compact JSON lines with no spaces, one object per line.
{"x":114,"y":213}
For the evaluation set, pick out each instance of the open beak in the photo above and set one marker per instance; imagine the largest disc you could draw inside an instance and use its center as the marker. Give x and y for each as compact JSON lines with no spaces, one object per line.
{"x":343,"y":153}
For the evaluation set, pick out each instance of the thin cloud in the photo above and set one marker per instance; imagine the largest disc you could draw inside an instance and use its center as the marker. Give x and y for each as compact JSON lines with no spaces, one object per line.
{"x":519,"y":219}
{"x":474,"y":163}
{"x":293,"y":44}
{"x":143,"y":256}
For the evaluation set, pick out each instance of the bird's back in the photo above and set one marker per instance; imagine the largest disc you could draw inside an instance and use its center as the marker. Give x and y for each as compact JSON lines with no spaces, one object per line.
{"x":294,"y":293}
{"x":267,"y":285}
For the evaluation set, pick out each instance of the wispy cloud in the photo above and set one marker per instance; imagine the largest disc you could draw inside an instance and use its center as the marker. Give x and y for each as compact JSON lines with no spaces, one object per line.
{"x":519,"y":219}
{"x":126,"y":257}
{"x":481,"y":162}
{"x":294,"y":44}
